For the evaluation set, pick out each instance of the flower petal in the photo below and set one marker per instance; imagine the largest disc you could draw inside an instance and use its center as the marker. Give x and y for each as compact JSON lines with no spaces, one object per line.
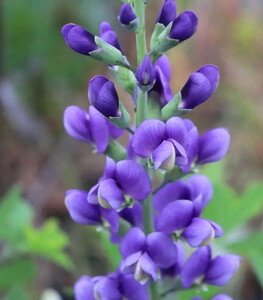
{"x":133,"y":214}
{"x":199,"y":233}
{"x":177,"y":190}
{"x":181,"y":156}
{"x":213,"y":145}
{"x":129,"y":264}
{"x":175,"y":129}
{"x":80,"y":210}
{"x":133,"y":241}
{"x":76,"y":124}
{"x":93,"y":194}
{"x":164,"y":65}
{"x":161,"y":249}
{"x":107,"y":289}
{"x":83,"y":289}
{"x":176,"y":215}
{"x":133,"y":179}
{"x":195,"y":266}
{"x":110,"y":195}
{"x":109,"y":169}
{"x":164,"y":156}
{"x":147,"y":137}
{"x":145,"y":266}
{"x":222,"y":297}
{"x":132,"y":289}
{"x":99,"y":129}
{"x":221,"y":269}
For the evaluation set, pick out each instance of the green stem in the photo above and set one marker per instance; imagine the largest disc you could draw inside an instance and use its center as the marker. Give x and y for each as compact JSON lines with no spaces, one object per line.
{"x":141,"y":108}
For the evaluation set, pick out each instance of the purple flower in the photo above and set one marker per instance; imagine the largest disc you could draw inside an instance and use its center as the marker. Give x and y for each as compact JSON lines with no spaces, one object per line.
{"x":213,"y":145}
{"x":121,"y":182}
{"x":196,"y":188}
{"x":199,"y":87}
{"x":78,"y":39}
{"x":167,"y":13}
{"x":145,"y":73}
{"x":103,"y":96}
{"x":163,"y":143}
{"x":109,"y":35}
{"x":184,"y":26}
{"x":144,"y":255}
{"x":114,"y":286}
{"x":161,"y":88}
{"x":127,"y":18}
{"x":201,"y":232}
{"x":85,"y":213}
{"x":201,"y":267}
{"x":89,"y":127}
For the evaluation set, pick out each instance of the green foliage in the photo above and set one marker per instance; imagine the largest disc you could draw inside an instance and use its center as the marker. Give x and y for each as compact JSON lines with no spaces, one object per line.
{"x":22,"y":242}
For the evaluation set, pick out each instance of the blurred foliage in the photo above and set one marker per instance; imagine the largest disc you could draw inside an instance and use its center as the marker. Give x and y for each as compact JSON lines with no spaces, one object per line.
{"x":21,"y":242}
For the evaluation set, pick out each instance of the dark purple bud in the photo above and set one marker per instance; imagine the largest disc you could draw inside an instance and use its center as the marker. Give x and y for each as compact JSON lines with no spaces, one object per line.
{"x":127,"y":18}
{"x":175,"y":215}
{"x":199,"y":87}
{"x":145,"y":74}
{"x":184,"y":26}
{"x":83,"y":289}
{"x":80,"y":210}
{"x":109,"y":35}
{"x":213,"y":145}
{"x":222,"y":297}
{"x":195,"y":266}
{"x":78,"y":39}
{"x":103,"y":96}
{"x":222,"y":269}
{"x":167,"y":13}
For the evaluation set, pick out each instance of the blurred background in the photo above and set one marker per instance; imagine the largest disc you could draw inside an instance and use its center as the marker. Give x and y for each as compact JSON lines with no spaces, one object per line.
{"x":41,"y":250}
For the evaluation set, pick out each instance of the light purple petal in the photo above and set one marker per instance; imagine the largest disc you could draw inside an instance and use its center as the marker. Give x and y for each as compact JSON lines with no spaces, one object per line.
{"x":132,"y":289}
{"x":114,"y":131}
{"x":213,"y":145}
{"x":99,"y":129}
{"x":164,"y":64}
{"x":181,"y":156}
{"x":221,"y":269}
{"x":104,"y":27}
{"x":129,"y":264}
{"x":133,"y":241}
{"x":222,"y":297}
{"x":170,"y":192}
{"x":195,"y":266}
{"x":80,"y":210}
{"x":175,"y":129}
{"x":133,"y":214}
{"x":133,"y":179}
{"x":148,"y":266}
{"x":217,"y":228}
{"x":176,"y":215}
{"x":110,"y":217}
{"x":109,"y":169}
{"x":161,"y":249}
{"x":199,"y":233}
{"x":110,"y":195}
{"x":107,"y":289}
{"x":164,"y":156}
{"x":147,"y":137}
{"x":83,"y":289}
{"x":76,"y":124}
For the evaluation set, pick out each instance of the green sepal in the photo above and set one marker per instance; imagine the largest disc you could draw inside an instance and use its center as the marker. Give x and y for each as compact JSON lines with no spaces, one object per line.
{"x":125,"y":78}
{"x":109,"y":54}
{"x":161,"y":41}
{"x":132,"y":26}
{"x":123,"y":120}
{"x":171,"y":108}
{"x":115,"y":150}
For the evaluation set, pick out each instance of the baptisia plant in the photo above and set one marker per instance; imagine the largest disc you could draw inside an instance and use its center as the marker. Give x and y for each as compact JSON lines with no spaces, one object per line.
{"x":148,"y":184}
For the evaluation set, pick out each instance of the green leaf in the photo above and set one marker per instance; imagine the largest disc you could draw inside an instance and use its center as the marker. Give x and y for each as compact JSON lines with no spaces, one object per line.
{"x":16,"y":293}
{"x":16,"y":214}
{"x":256,"y":259}
{"x":48,"y":242}
{"x":243,"y":246}
{"x":15,"y":272}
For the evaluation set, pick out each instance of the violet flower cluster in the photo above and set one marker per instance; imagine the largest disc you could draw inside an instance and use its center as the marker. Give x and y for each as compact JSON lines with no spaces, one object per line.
{"x":156,"y":222}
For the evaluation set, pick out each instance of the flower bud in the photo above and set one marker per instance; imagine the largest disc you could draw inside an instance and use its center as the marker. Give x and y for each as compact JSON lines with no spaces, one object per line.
{"x":145,"y":74}
{"x":221,"y":297}
{"x":103,"y":96}
{"x":109,"y":35}
{"x":78,"y":39}
{"x":199,"y":86}
{"x":184,"y":26}
{"x":213,"y":145}
{"x":127,"y":18}
{"x":167,"y":13}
